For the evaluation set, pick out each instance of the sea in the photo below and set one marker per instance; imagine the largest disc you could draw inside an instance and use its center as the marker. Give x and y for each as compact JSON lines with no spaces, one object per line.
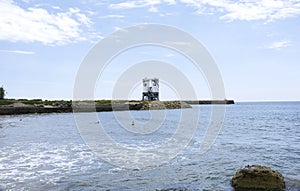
{"x":47,"y":152}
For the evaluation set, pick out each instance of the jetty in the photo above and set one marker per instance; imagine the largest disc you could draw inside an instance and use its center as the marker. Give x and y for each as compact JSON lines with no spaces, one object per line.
{"x":204,"y":102}
{"x":24,"y":106}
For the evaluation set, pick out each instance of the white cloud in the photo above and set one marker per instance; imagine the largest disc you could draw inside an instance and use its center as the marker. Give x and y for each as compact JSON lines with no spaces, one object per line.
{"x":120,"y":29}
{"x":17,"y":51}
{"x":56,"y":7}
{"x":74,"y":10}
{"x":112,"y":16}
{"x":138,"y":4}
{"x":171,"y":2}
{"x":38,"y":25}
{"x":26,"y":1}
{"x":268,"y":10}
{"x":124,"y":5}
{"x":230,"y":10}
{"x":279,"y":44}
{"x":82,"y":18}
{"x":170,"y":55}
{"x":153,"y":9}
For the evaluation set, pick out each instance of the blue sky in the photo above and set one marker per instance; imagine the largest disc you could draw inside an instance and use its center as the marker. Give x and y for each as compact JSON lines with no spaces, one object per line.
{"x":256,"y":44}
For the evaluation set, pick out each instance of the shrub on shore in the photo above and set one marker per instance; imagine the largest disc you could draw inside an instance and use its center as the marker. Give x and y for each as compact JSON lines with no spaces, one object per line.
{"x":6,"y":101}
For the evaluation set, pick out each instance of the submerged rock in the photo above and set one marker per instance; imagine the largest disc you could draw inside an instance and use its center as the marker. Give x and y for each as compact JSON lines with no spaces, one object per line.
{"x":258,"y":177}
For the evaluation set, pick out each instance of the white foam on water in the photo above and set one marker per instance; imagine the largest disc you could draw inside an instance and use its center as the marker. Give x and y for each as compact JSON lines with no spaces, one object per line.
{"x":43,"y":162}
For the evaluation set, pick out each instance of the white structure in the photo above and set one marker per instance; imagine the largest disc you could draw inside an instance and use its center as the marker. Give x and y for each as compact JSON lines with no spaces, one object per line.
{"x":150,"y":89}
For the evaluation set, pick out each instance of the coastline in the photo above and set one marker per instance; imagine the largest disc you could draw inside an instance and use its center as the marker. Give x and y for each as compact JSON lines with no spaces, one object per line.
{"x":23,"y":106}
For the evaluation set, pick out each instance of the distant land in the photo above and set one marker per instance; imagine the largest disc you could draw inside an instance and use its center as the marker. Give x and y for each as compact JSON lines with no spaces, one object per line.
{"x":25,"y":106}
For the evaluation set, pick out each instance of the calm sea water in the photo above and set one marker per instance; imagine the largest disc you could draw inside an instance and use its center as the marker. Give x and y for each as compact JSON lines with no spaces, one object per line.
{"x":46,"y":152}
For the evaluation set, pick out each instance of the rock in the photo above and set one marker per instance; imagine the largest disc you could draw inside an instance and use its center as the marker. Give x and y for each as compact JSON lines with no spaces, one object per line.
{"x":19,"y":104}
{"x":158,"y":105}
{"x":258,"y":177}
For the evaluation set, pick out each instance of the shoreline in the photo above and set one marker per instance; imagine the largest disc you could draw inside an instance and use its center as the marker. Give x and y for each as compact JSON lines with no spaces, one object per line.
{"x":22,"y":106}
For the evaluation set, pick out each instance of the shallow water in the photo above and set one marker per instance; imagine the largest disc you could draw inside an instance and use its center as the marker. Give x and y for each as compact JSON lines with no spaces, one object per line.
{"x":46,"y":152}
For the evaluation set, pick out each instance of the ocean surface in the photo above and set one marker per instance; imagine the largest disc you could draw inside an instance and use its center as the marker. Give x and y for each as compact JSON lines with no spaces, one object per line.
{"x":46,"y":151}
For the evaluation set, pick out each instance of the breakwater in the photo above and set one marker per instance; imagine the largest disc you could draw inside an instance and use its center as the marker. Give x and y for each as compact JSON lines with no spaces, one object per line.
{"x":203,"y":102}
{"x":16,"y":107}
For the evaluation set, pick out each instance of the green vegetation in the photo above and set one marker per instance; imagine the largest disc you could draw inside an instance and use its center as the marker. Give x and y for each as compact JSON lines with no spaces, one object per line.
{"x":103,"y":101}
{"x":63,"y":103}
{"x":6,"y":101}
{"x":30,"y":102}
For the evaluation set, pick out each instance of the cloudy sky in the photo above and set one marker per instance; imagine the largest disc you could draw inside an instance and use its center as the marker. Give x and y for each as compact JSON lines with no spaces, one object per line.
{"x":256,"y":44}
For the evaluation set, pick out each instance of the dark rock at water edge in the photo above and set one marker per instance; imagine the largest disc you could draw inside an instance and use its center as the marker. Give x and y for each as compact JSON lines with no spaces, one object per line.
{"x":256,"y":177}
{"x":27,"y":110}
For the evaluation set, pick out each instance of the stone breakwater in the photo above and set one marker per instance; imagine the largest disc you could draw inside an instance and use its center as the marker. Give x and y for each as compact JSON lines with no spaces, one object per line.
{"x":89,"y":106}
{"x":203,"y":102}
{"x":15,"y":107}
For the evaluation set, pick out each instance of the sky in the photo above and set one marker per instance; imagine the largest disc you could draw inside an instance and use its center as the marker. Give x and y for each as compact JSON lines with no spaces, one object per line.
{"x":255,"y":44}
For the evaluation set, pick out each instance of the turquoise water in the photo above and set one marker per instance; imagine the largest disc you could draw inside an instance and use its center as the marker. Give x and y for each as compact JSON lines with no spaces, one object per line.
{"x":46,"y":152}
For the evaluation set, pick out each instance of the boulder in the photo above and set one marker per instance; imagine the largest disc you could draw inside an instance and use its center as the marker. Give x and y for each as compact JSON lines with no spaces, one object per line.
{"x":256,"y":177}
